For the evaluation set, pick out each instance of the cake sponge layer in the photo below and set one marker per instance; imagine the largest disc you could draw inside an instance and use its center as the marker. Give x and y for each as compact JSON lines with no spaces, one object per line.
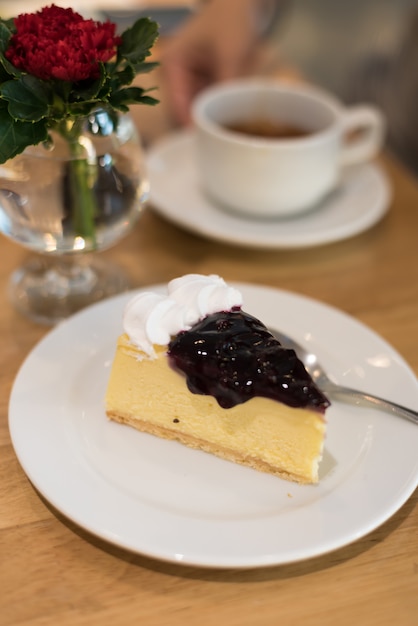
{"x":261,"y":433}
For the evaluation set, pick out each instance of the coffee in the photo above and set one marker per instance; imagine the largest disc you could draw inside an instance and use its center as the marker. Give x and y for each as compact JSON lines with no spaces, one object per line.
{"x":268,"y":129}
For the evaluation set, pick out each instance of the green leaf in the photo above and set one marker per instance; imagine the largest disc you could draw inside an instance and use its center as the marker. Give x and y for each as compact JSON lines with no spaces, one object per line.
{"x":78,"y":109}
{"x":16,"y":136}
{"x":60,"y":91}
{"x":131,"y":95}
{"x":122,"y":107}
{"x":8,"y":67}
{"x":145,"y":68}
{"x":149,"y":100}
{"x":28,"y":98}
{"x":4,"y":75}
{"x":123,"y":77}
{"x":90,"y":90}
{"x":9,"y":23}
{"x":5,"y":34}
{"x":138,"y":40}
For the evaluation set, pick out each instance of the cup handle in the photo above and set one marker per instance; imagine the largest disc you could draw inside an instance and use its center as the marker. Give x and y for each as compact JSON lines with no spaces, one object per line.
{"x":366,"y":125}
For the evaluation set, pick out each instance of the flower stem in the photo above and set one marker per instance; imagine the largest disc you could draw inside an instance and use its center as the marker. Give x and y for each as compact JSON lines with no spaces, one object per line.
{"x":82,"y":175}
{"x":83,"y":200}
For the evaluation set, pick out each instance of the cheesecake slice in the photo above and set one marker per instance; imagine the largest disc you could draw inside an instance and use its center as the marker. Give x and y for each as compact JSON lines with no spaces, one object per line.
{"x":194,"y":367}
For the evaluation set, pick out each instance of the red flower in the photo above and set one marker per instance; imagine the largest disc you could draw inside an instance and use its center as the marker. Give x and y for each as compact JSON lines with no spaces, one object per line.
{"x":57,"y":43}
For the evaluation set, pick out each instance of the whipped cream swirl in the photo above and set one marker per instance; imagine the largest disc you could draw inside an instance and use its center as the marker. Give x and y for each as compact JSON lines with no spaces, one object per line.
{"x":151,"y":318}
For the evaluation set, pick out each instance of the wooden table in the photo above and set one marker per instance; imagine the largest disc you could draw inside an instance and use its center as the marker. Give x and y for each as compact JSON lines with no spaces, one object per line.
{"x":53,"y":573}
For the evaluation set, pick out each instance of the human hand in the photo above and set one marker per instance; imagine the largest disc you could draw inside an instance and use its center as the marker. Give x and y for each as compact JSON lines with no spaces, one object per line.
{"x":216,"y":44}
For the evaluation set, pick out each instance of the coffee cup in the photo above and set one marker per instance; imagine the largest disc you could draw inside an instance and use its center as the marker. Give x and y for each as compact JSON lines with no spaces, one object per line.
{"x":268,"y":149}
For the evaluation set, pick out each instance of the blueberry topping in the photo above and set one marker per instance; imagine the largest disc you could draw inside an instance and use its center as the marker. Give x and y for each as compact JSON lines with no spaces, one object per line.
{"x":234,"y":357}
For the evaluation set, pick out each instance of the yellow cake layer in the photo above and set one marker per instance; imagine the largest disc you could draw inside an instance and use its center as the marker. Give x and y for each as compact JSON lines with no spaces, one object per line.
{"x":261,"y":433}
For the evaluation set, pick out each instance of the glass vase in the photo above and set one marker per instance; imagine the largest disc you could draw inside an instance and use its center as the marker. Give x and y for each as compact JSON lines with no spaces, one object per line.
{"x":67,"y":200}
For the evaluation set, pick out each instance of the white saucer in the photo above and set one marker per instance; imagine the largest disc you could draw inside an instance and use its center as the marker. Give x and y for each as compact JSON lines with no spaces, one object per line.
{"x":360,"y":202}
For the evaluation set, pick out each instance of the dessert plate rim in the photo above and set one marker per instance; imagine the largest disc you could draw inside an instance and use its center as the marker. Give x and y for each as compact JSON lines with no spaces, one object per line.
{"x":162,"y":500}
{"x":361,"y":201}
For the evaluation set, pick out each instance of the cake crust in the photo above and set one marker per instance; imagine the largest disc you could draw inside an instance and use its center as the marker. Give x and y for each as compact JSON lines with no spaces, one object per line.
{"x":199,"y":444}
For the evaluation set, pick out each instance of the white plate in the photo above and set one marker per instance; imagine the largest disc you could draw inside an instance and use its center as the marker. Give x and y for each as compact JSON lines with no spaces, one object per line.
{"x":360,"y":202}
{"x":167,"y":501}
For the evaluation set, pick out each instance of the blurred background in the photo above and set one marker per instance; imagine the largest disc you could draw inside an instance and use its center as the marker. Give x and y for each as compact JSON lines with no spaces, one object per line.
{"x":332,"y":40}
{"x":362,"y":50}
